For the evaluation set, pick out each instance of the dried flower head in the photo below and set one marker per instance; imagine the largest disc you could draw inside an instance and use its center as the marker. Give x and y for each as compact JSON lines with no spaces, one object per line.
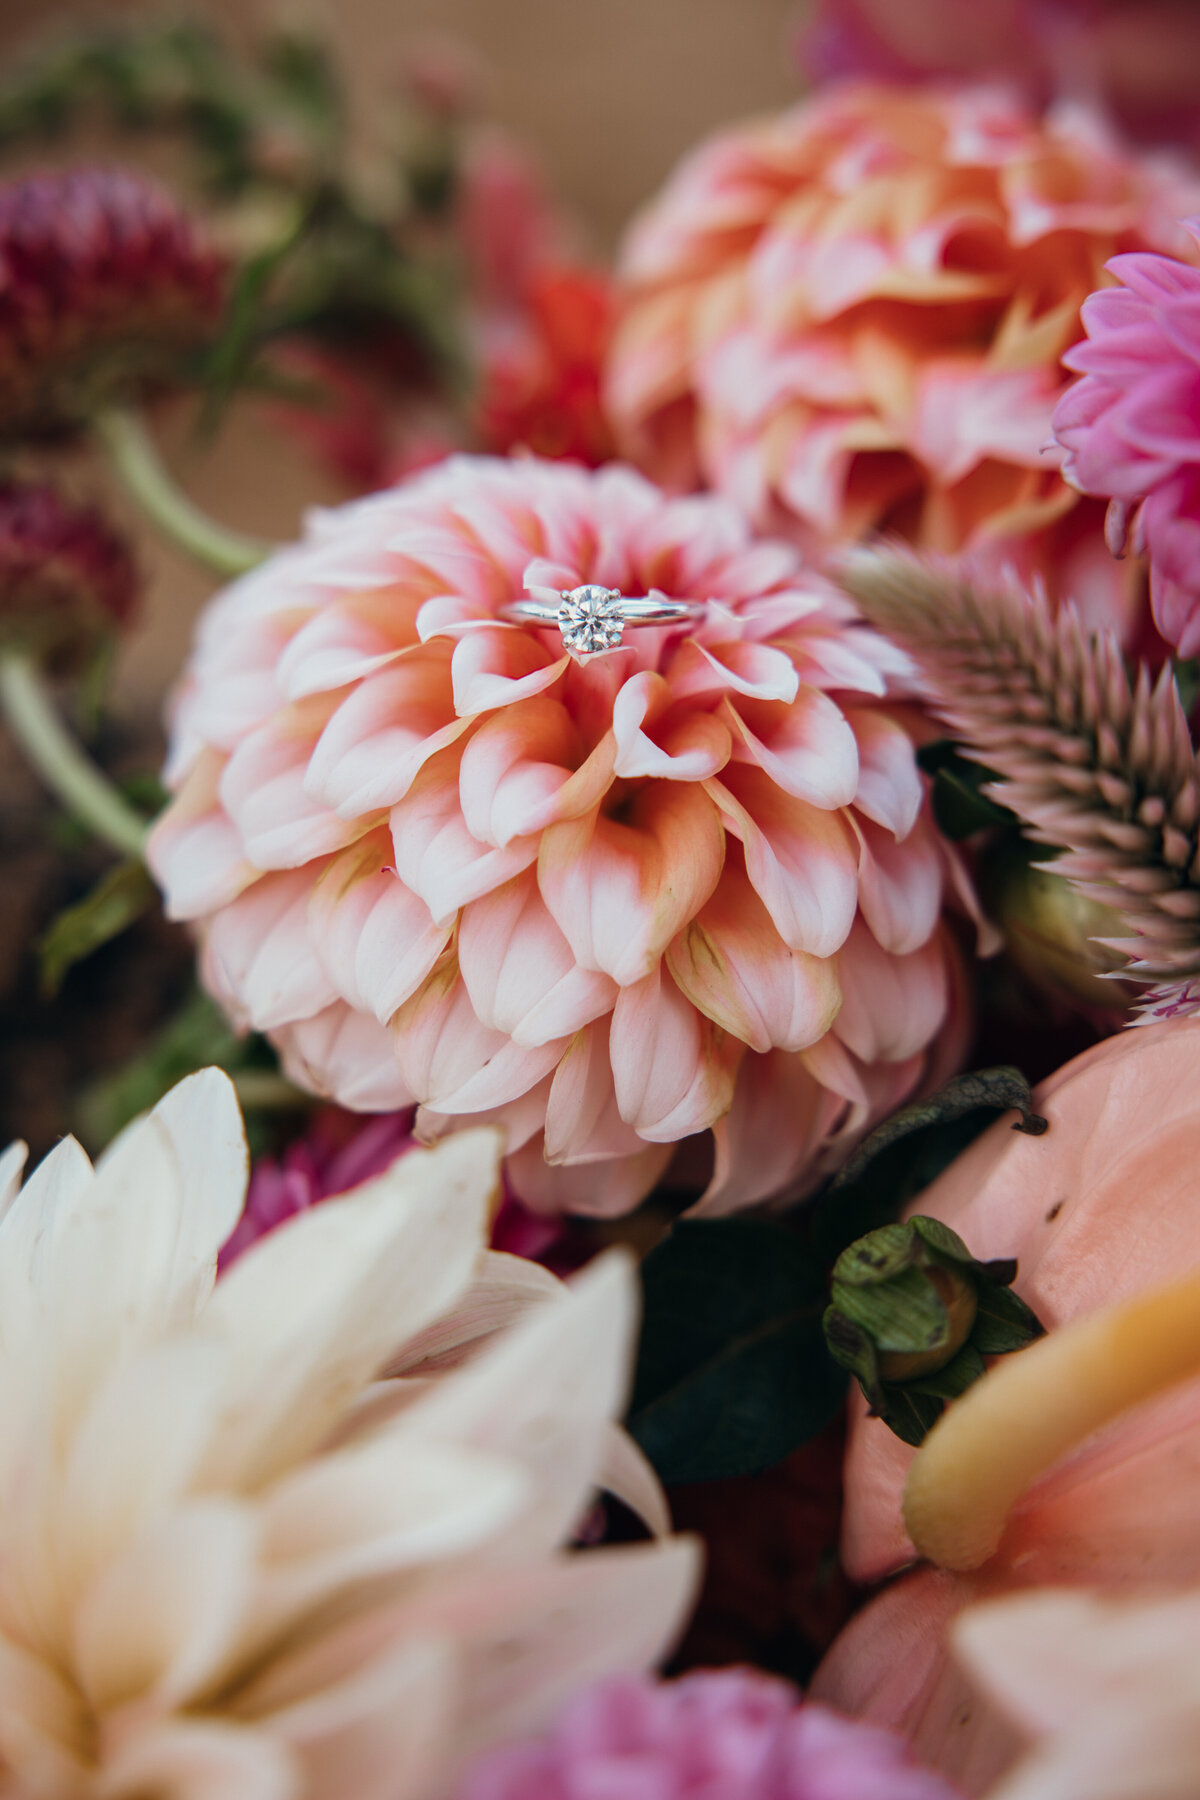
{"x":67,"y":579}
{"x":1092,"y":761}
{"x":849,"y":317}
{"x":104,"y":281}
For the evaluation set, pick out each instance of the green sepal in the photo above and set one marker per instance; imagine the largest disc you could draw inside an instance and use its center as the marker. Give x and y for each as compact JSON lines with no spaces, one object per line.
{"x":904,"y":1313}
{"x":1003,"y":1322}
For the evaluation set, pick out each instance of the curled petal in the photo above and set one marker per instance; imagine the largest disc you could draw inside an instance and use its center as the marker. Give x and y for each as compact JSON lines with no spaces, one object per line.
{"x":435,"y":854}
{"x":452,"y":1061}
{"x":900,"y":886}
{"x":499,"y":665}
{"x":731,"y":963}
{"x":618,"y":892}
{"x":519,"y":970}
{"x":382,"y":734}
{"x":195,"y":850}
{"x":518,"y":772}
{"x":583,"y":1121}
{"x":346,"y":1055}
{"x":264,"y":789}
{"x":889,"y":782}
{"x":693,"y":747}
{"x":673,"y":1069}
{"x":260,"y":957}
{"x":808,"y":748}
{"x":800,"y":859}
{"x":375,"y":938}
{"x":892,"y":1005}
{"x":779,"y":1118}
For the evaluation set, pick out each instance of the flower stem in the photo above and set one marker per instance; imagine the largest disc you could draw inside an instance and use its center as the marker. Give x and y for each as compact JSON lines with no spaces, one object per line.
{"x":989,"y":1447}
{"x":134,"y":455}
{"x":64,"y":767}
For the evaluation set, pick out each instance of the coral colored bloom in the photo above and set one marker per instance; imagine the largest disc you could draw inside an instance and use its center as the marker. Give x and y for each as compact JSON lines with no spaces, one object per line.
{"x":67,"y":578}
{"x":234,"y":1563}
{"x":1107,"y":1690}
{"x":849,"y":318}
{"x":729,"y":1734}
{"x":541,"y":369}
{"x":609,"y":903}
{"x":1099,"y":1210}
{"x":103,"y":280}
{"x":1131,"y":427}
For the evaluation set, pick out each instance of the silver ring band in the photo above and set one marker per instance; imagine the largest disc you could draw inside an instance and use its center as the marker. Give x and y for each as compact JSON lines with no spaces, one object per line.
{"x":592,"y":619}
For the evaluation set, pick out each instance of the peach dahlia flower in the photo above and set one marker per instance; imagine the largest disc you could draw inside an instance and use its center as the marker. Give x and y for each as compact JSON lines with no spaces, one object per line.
{"x":609,"y":902}
{"x":233,"y":1565}
{"x":849,"y":317}
{"x":1093,"y":1477}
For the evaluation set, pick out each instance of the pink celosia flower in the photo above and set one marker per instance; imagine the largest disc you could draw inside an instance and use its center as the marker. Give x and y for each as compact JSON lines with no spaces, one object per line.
{"x":609,"y":903}
{"x":849,"y":317}
{"x":331,"y":1160}
{"x":730,"y":1734}
{"x":1131,"y":427}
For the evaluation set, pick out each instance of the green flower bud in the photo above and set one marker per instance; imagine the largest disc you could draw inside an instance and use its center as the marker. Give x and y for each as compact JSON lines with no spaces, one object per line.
{"x":913,"y":1315}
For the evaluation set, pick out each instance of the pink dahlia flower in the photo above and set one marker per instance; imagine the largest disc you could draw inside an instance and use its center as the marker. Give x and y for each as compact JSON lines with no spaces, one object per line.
{"x":609,"y":903}
{"x":849,"y":318}
{"x":1131,"y":427}
{"x":729,"y":1734}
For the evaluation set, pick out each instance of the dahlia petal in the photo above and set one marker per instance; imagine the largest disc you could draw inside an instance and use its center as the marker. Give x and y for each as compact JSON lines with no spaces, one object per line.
{"x":619,"y":893}
{"x":779,"y":1118}
{"x":263,"y":788}
{"x":160,"y":1620}
{"x":756,"y":670}
{"x":809,"y":750}
{"x":690,"y":750}
{"x":194,"y":850}
{"x":673,"y":1069}
{"x":517,"y":1120}
{"x":519,"y":971}
{"x":337,"y":647}
{"x":891,"y":1005}
{"x":260,"y":957}
{"x":328,"y":1291}
{"x":800,"y":859}
{"x":347,"y":1056}
{"x":900,"y":885}
{"x":732,"y":965}
{"x":583,"y":1121}
{"x":603,"y":1189}
{"x":889,"y":782}
{"x":382,"y":735}
{"x":192,"y":1759}
{"x":376,"y":940}
{"x":1158,"y":415}
{"x":514,"y":767}
{"x":542,"y":1396}
{"x":435,"y":854}
{"x":831,"y":1064}
{"x":499,"y":665}
{"x":452,"y":1061}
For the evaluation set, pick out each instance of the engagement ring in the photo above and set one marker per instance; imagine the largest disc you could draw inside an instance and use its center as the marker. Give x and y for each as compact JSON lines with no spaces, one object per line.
{"x":592,"y":618}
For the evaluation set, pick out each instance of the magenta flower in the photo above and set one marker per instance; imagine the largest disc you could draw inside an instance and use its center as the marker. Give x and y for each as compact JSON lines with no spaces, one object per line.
{"x":325,"y":1162}
{"x":67,"y":579}
{"x":728,"y":1734}
{"x":1131,"y":427}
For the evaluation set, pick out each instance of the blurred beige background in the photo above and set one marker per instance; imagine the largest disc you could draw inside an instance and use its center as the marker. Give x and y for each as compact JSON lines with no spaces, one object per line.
{"x":606,"y":94}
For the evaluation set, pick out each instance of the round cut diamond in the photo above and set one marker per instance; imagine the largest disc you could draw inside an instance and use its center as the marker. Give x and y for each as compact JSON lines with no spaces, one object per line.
{"x":590,"y":619}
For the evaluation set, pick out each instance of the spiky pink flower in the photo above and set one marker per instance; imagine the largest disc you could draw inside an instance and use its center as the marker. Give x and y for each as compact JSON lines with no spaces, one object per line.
{"x":67,"y":578}
{"x":610,"y":903}
{"x":848,"y":317}
{"x":1131,"y":427}
{"x":103,"y":279}
{"x":729,"y":1734}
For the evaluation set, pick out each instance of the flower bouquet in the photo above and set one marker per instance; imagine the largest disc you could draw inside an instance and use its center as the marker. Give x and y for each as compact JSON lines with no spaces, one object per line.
{"x":614,"y":1064}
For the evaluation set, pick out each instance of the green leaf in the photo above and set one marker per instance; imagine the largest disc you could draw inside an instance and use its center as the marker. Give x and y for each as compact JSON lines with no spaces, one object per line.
{"x":1002,"y":1321}
{"x":733,"y":1372}
{"x":960,"y":807}
{"x":118,"y":898}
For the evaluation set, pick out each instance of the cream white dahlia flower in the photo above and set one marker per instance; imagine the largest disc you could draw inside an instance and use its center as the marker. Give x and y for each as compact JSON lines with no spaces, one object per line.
{"x":233,"y":1566}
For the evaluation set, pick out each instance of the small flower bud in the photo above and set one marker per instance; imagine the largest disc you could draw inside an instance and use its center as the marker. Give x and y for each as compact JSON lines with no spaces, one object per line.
{"x":913,"y":1316}
{"x":104,"y":284}
{"x":1052,"y":931}
{"x":67,"y":579}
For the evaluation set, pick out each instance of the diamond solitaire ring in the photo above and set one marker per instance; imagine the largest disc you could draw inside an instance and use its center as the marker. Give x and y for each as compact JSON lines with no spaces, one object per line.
{"x":593,"y":618}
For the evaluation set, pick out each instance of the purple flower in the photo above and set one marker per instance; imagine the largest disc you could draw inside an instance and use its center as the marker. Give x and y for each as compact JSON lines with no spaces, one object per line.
{"x":727,"y":1734}
{"x":1131,"y":427}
